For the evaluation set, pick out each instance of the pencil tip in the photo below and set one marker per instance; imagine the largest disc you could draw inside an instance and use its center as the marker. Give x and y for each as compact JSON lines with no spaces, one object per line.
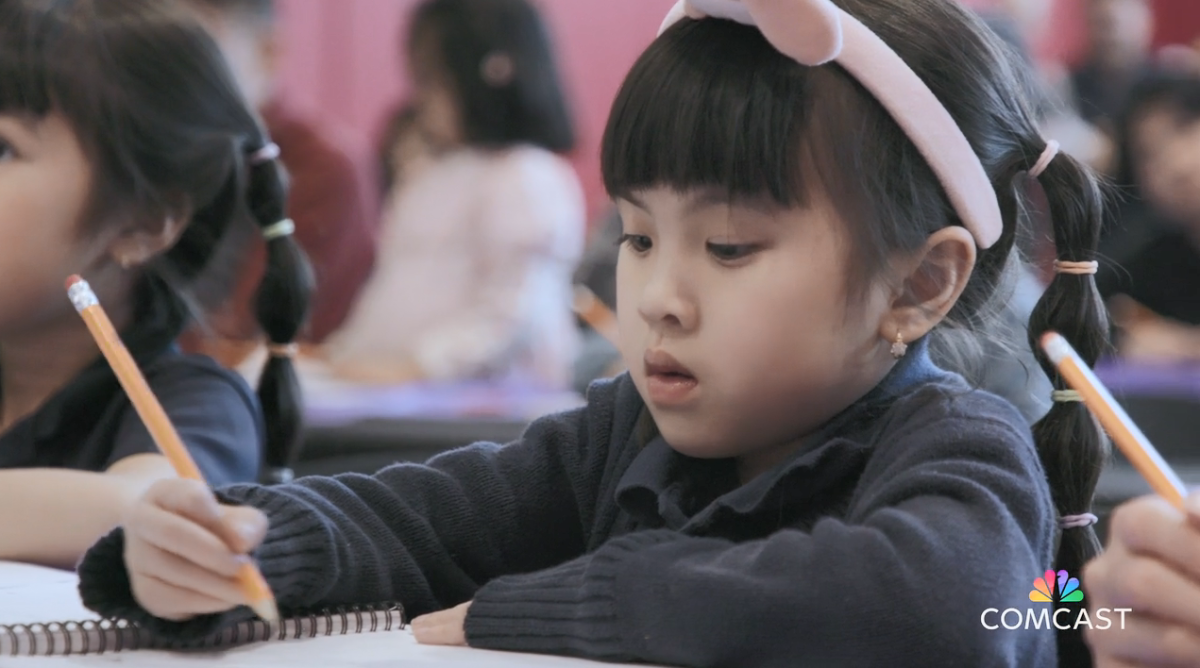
{"x":266,"y":610}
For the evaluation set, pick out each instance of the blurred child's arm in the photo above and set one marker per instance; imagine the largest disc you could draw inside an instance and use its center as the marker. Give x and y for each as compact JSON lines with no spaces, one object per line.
{"x":62,"y":512}
{"x":427,"y":536}
{"x":944,"y":524}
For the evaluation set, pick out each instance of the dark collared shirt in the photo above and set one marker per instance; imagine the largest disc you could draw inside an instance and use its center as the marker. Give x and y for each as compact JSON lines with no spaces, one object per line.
{"x":89,"y":424}
{"x":882,"y":542}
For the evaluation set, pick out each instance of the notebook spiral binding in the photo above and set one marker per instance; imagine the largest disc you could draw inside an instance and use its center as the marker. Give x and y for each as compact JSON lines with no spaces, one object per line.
{"x":109,"y":635}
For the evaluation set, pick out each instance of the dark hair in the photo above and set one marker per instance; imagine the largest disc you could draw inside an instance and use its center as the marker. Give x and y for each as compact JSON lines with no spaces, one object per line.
{"x":528,"y":106}
{"x":1176,"y":91}
{"x":711,"y":104}
{"x":166,"y":132}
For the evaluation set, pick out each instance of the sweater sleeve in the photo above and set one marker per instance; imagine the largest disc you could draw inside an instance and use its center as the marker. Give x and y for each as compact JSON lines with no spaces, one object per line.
{"x":955,"y":521}
{"x":424,"y":535}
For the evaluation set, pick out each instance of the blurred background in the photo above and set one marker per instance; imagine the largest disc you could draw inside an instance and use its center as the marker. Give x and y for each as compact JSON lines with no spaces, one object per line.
{"x":345,"y":62}
{"x":445,"y":163}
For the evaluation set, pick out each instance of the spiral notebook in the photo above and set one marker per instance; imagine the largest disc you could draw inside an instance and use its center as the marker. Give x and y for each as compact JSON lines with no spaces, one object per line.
{"x":56,"y":595}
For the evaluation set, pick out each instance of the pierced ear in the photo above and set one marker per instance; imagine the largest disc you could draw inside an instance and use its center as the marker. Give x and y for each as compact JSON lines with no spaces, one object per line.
{"x":138,"y":244}
{"x":932,"y":281}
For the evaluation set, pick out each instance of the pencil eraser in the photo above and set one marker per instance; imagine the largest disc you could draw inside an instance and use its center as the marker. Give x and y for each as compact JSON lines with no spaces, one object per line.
{"x":1056,"y":346}
{"x":73,"y":279}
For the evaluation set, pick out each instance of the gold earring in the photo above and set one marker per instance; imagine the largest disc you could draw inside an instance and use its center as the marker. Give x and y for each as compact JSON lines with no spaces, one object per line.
{"x":899,"y":348}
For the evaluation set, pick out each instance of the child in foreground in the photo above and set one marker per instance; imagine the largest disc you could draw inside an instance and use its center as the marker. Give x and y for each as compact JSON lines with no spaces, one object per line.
{"x":783,"y":477}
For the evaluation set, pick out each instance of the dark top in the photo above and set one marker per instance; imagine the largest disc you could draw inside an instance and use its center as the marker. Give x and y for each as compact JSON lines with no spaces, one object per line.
{"x":1101,"y":96}
{"x":1160,"y":270}
{"x":90,"y":424}
{"x":883,"y":543}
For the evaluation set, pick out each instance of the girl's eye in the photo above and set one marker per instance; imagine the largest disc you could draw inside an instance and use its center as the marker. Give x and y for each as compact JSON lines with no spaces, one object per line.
{"x":731,"y":252}
{"x":639,"y":243}
{"x":6,"y":151}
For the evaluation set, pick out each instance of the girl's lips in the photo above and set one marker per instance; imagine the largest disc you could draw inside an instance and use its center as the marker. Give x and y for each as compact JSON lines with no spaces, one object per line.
{"x":668,"y":382}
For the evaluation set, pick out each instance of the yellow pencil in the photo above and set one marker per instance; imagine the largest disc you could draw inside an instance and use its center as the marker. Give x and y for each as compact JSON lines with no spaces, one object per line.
{"x":1120,"y":427}
{"x":262,"y":601}
{"x":596,"y":314}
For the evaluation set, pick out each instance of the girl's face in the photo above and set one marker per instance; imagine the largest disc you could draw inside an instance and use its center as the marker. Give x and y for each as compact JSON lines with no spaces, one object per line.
{"x":1166,"y":151}
{"x":45,"y":182}
{"x":737,"y":325}
{"x":438,"y":116}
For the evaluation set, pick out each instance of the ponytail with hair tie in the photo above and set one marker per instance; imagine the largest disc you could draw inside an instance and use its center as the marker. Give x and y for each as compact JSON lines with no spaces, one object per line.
{"x":1070,"y":444}
{"x":281,"y":307}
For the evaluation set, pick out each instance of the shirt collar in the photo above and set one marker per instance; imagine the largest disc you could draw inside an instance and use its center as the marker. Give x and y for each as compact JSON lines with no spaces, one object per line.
{"x":659,"y":477}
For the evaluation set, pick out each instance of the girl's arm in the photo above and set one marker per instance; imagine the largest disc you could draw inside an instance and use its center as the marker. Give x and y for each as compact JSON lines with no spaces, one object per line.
{"x":427,"y":536}
{"x":53,"y":516}
{"x":63,"y":512}
{"x":948,"y":522}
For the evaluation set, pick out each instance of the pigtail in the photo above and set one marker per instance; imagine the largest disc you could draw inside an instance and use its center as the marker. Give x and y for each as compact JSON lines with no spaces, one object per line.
{"x":1070,"y":443}
{"x":281,"y":306}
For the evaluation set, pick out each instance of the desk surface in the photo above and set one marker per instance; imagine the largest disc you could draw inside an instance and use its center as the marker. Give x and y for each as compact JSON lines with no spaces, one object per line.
{"x":33,"y":594}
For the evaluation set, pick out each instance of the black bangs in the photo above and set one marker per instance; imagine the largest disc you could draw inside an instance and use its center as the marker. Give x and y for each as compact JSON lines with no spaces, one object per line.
{"x":37,"y":66}
{"x":706,"y":106}
{"x":712,"y":105}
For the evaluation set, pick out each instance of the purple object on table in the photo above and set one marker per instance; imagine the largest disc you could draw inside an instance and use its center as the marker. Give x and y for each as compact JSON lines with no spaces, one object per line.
{"x":1174,"y":380}
{"x":332,"y":407}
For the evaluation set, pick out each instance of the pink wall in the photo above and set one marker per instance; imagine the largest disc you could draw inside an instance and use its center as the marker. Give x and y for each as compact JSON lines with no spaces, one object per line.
{"x":344,"y":63}
{"x":344,"y":59}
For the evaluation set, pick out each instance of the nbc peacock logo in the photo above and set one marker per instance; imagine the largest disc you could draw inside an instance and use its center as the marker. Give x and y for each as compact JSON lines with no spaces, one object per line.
{"x":1045,"y":591}
{"x":1055,"y":588}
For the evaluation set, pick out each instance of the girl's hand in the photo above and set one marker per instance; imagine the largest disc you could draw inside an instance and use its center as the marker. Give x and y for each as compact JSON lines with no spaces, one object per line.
{"x":183,"y":549}
{"x":447,"y":627}
{"x":1152,"y":565}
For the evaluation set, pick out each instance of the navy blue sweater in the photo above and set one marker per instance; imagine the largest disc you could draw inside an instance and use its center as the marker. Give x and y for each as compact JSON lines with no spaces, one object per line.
{"x":915,"y":510}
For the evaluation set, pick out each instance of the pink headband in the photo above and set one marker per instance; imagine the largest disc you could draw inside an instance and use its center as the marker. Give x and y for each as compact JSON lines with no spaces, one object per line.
{"x":815,"y":32}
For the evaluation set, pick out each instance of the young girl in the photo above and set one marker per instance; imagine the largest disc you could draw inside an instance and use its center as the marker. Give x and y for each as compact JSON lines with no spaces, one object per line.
{"x":126,"y":155}
{"x":783,"y":477}
{"x":472,"y":278}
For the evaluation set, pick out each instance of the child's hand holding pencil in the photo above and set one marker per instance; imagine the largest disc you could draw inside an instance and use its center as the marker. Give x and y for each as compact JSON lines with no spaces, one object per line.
{"x":185,"y":553}
{"x":1151,"y":569}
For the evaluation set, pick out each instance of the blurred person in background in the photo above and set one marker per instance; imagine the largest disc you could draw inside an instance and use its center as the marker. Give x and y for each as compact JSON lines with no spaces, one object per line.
{"x":1120,"y":33}
{"x":1153,"y":281}
{"x":404,"y":151}
{"x":327,"y":200}
{"x":473,"y":276}
{"x":1021,"y":23}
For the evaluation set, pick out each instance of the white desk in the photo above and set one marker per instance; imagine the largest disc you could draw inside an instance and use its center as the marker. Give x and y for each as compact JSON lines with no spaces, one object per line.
{"x":31,"y":594}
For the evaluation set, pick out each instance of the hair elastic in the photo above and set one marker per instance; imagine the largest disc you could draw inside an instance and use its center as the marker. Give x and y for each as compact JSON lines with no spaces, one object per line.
{"x":497,"y":69}
{"x":815,"y":32}
{"x":288,"y":350}
{"x":1048,"y":156}
{"x":270,"y":151}
{"x":283,"y":228}
{"x":1076,"y":268}
{"x":1077,"y":521}
{"x":1066,"y":396}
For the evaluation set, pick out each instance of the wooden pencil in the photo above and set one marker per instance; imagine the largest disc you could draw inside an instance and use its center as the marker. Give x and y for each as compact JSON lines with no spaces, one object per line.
{"x":1120,"y":427}
{"x":148,"y":408}
{"x":596,"y":314}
